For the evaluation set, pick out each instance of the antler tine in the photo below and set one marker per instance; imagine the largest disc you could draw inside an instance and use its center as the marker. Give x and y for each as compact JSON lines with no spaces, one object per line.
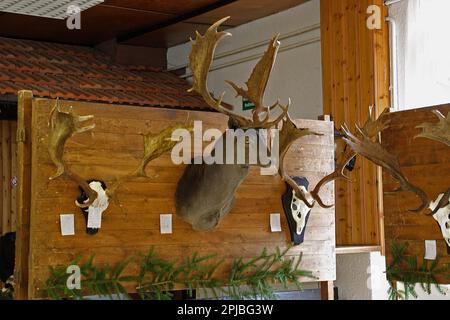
{"x":371,"y":128}
{"x":257,"y":83}
{"x":439,"y":131}
{"x":380,"y":156}
{"x":200,"y":61}
{"x":64,"y":125}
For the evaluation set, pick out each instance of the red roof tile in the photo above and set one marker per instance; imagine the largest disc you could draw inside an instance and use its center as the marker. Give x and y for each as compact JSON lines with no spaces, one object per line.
{"x":81,"y":73}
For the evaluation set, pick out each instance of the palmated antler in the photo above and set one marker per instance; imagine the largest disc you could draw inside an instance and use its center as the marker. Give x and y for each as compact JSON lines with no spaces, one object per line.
{"x":257,"y":84}
{"x":288,"y":135}
{"x":371,"y":128}
{"x":437,"y":131}
{"x":64,"y":125}
{"x":374,"y":152}
{"x":200,"y":60}
{"x":155,"y":145}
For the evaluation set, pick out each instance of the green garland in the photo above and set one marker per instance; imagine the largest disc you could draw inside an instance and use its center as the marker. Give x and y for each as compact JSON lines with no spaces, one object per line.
{"x":407,"y":270}
{"x":246,"y":279}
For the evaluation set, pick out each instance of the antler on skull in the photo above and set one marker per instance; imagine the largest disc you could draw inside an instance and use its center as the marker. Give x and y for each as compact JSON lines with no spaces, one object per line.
{"x":200,"y":60}
{"x":363,"y":145}
{"x":64,"y":125}
{"x":372,"y":127}
{"x":288,"y":135}
{"x":437,"y":131}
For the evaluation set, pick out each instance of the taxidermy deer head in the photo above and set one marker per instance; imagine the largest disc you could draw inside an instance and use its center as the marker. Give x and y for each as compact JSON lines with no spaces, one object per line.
{"x":205,"y":193}
{"x":362,"y":143}
{"x":95,"y":195}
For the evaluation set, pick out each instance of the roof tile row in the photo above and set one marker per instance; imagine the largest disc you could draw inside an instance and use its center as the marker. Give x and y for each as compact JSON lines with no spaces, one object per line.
{"x":81,"y":73}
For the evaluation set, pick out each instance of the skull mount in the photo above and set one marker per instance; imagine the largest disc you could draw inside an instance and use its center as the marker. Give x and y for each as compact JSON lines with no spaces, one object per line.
{"x":297,"y":212}
{"x":100,"y":204}
{"x":442,"y":216}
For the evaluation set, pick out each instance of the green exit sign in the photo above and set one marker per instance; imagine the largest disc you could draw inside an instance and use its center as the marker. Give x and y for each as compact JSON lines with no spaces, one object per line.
{"x":247,"y":104}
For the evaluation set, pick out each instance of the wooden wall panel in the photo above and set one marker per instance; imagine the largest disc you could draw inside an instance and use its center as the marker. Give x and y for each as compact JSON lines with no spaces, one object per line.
{"x":355,"y":64}
{"x":425,"y":163}
{"x":8,"y":170}
{"x":113,"y":149}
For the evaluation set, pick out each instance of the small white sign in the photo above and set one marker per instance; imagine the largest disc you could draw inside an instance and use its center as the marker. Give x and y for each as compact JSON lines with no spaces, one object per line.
{"x":67,"y":224}
{"x":275,"y":222}
{"x":94,"y":218}
{"x":165,"y":221}
{"x":430,"y":250}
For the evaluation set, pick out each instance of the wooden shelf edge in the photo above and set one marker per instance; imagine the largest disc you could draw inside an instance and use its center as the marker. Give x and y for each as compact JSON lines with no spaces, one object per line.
{"x":356,"y":249}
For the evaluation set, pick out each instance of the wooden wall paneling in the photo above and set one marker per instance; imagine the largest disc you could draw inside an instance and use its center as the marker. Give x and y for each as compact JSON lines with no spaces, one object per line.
{"x":114,"y":148}
{"x":354,"y":63}
{"x":23,"y":193}
{"x":426,"y":164}
{"x":6,"y":164}
{"x":382,"y":100}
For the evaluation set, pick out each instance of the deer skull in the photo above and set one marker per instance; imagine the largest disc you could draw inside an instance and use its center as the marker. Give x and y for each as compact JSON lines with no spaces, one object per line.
{"x":297,"y":211}
{"x":300,"y":211}
{"x":442,"y":216}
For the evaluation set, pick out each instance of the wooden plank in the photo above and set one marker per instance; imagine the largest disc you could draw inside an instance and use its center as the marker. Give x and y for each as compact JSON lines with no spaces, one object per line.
{"x":327,"y":290}
{"x":23,"y":193}
{"x":357,"y":249}
{"x":13,"y":187}
{"x":6,"y":163}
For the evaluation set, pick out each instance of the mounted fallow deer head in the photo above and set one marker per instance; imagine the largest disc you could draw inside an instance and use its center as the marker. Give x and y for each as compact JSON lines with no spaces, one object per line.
{"x":95,"y":194}
{"x":205,"y":193}
{"x":363,"y":144}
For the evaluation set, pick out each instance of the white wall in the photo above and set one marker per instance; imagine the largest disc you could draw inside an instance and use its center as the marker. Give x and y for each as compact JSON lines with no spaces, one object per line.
{"x":297,"y":73}
{"x":361,"y":276}
{"x":422,"y":52}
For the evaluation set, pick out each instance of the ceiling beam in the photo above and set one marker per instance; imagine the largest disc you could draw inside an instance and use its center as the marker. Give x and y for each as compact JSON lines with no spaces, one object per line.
{"x":150,"y":28}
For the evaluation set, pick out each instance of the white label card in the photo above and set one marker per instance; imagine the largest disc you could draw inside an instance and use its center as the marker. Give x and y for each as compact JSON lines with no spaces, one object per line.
{"x":430,"y":250}
{"x":67,"y":224}
{"x":94,"y":218}
{"x":275,"y":222}
{"x":165,"y":221}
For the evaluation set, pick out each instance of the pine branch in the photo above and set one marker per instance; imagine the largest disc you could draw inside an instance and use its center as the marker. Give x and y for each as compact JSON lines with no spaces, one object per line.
{"x":247,"y":279}
{"x":407,"y":270}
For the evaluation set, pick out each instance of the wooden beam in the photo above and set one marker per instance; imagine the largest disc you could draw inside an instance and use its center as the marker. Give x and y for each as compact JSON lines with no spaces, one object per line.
{"x":23,"y":193}
{"x":357,"y":249}
{"x":327,"y":290}
{"x":13,"y":130}
{"x":6,"y":164}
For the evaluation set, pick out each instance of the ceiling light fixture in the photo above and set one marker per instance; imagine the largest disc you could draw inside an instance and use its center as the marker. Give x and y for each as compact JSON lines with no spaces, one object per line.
{"x":55,"y":9}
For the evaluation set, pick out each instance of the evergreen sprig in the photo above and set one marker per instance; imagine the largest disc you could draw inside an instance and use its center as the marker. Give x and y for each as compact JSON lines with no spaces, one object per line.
{"x":157,"y":278}
{"x":410,"y":272}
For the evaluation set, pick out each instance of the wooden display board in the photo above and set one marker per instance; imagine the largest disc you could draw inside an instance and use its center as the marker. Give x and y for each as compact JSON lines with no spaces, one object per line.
{"x":115,"y":147}
{"x":426,"y":163}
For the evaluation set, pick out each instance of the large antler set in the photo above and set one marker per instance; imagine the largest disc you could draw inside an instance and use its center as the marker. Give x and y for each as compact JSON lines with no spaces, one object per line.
{"x":200,"y":60}
{"x":64,"y":125}
{"x":366,"y":145}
